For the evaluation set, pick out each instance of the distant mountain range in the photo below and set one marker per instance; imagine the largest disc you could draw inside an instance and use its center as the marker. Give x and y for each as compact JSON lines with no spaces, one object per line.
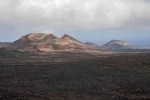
{"x":41,"y":42}
{"x":47,"y":43}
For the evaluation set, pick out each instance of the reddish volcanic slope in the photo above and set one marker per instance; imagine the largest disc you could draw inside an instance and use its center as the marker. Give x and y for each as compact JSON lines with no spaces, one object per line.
{"x":48,"y":43}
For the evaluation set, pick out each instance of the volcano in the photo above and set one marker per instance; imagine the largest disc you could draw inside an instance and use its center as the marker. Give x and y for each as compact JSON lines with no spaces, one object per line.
{"x":41,"y":42}
{"x":117,"y":45}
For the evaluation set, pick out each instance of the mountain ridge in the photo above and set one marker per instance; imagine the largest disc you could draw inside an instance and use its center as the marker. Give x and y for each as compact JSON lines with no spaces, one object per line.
{"x":49,"y":43}
{"x":93,"y":45}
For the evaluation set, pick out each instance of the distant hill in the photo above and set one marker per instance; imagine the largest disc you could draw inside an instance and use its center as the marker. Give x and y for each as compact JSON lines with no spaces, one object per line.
{"x":117,"y":45}
{"x":4,"y":44}
{"x":93,"y":45}
{"x":41,"y":42}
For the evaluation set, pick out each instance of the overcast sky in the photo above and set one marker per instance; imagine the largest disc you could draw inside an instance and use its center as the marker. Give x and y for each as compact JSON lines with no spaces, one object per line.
{"x":95,"y":21}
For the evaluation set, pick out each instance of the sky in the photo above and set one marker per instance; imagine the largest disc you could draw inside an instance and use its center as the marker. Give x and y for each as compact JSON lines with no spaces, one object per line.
{"x":97,"y":21}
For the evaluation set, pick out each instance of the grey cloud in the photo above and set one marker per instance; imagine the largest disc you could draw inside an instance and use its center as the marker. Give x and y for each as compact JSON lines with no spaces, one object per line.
{"x":74,"y":14}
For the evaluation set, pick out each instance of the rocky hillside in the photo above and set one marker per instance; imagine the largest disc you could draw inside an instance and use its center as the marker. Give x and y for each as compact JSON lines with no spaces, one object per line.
{"x":41,"y":42}
{"x":93,"y":45}
{"x":11,"y":53}
{"x":117,"y":45}
{"x":4,"y":44}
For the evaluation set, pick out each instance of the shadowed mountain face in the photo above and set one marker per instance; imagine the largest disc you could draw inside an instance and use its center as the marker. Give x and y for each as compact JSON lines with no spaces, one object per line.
{"x":117,"y":45}
{"x":4,"y":44}
{"x":41,"y":42}
{"x":11,"y":53}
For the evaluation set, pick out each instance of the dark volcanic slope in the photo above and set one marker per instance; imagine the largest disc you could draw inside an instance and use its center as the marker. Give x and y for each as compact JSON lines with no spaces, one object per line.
{"x":4,"y":53}
{"x":4,"y":44}
{"x":117,"y":45}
